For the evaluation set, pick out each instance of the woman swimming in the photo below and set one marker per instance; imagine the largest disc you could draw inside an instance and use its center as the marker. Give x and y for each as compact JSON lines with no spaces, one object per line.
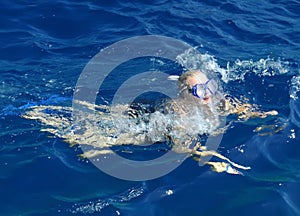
{"x":181,"y":122}
{"x":204,"y":95}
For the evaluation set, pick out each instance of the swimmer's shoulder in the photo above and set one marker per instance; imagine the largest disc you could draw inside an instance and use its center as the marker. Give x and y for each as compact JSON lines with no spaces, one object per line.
{"x":175,"y":106}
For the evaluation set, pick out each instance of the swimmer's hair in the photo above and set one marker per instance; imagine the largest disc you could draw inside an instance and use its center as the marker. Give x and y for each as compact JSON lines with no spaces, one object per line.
{"x":182,"y":80}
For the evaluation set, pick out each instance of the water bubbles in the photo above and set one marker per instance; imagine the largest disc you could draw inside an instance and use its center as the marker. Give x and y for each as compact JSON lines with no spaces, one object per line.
{"x":191,"y":59}
{"x":292,"y":135}
{"x":241,"y":148}
{"x":97,"y":206}
{"x":294,"y":102}
{"x":295,"y":87}
{"x":262,"y":67}
{"x":169,"y":192}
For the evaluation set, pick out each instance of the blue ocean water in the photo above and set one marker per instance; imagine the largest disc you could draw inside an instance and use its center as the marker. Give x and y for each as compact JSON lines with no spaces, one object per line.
{"x":253,"y":45}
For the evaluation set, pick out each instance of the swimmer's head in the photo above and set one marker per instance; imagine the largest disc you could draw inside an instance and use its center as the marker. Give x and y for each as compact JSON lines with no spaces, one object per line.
{"x":195,"y":85}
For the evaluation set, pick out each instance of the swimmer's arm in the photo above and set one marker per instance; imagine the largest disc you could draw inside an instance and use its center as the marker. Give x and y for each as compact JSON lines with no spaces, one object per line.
{"x":226,"y":166}
{"x":245,"y":111}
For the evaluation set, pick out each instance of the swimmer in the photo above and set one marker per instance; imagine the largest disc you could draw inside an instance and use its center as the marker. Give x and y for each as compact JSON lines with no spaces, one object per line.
{"x":195,"y":86}
{"x":195,"y":112}
{"x":198,"y":90}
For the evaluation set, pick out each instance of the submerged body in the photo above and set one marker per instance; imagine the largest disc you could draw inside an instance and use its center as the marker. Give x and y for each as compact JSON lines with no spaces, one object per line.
{"x":199,"y":110}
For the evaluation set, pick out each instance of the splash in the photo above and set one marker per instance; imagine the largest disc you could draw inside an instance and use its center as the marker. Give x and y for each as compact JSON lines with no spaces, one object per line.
{"x":192,"y":59}
{"x":262,"y":67}
{"x":294,"y":102}
{"x":295,"y":87}
{"x":97,"y":206}
{"x":103,"y":127}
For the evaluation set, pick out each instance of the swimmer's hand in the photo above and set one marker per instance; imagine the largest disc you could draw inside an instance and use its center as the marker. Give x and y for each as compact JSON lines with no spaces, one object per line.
{"x":272,"y":112}
{"x":223,"y":167}
{"x":228,"y":166}
{"x":257,"y":114}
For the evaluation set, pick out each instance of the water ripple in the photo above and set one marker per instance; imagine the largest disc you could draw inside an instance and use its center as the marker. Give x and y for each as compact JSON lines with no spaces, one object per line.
{"x":46,"y":44}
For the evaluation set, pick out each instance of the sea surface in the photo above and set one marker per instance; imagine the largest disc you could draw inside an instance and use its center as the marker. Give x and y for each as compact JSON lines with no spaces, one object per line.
{"x":253,"y":46}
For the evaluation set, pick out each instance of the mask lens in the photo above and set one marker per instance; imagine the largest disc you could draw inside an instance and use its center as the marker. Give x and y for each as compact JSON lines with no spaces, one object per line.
{"x":200,"y":90}
{"x":212,"y":87}
{"x":204,"y":90}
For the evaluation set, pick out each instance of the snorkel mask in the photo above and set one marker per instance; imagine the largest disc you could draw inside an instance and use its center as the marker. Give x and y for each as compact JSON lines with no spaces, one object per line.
{"x":202,"y":91}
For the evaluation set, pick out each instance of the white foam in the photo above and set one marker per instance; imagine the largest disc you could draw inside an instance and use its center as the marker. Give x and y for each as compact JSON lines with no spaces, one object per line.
{"x":295,"y":87}
{"x":97,"y":206}
{"x":192,"y":59}
{"x":294,"y":102}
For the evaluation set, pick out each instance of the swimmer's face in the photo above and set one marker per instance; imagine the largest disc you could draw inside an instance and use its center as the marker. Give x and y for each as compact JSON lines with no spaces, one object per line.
{"x":192,"y":81}
{"x":198,"y":86}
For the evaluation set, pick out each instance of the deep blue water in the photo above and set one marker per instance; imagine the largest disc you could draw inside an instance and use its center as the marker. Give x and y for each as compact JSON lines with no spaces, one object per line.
{"x":44,"y":48}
